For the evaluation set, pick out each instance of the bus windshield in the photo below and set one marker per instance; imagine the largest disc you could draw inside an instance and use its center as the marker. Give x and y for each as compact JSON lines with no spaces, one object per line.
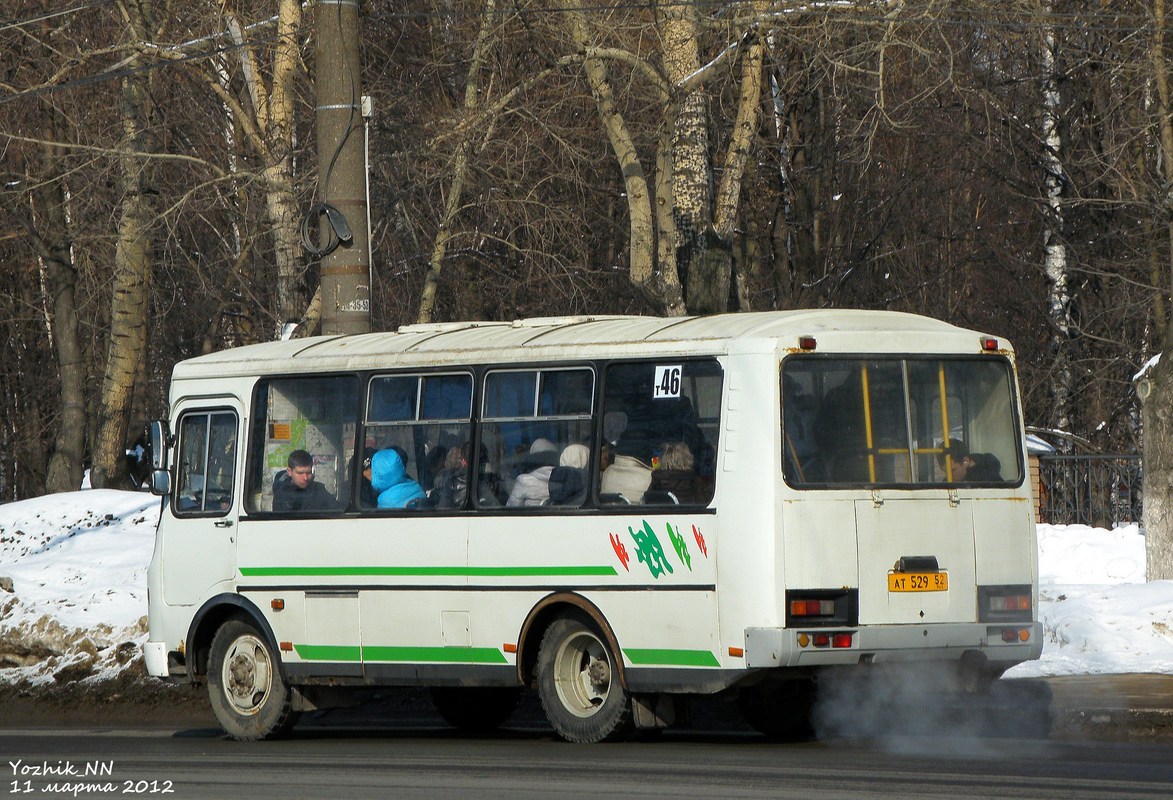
{"x":899,"y":422}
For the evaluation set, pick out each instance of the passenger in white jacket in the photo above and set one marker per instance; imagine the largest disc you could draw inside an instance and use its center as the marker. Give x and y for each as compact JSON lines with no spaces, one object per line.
{"x":532,"y":488}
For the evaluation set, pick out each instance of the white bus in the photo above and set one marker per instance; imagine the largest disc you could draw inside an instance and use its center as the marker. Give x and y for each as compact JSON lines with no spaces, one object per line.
{"x":618,"y":512}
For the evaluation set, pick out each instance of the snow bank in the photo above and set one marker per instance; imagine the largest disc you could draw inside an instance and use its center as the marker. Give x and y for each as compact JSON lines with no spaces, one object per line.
{"x":1098,"y":614}
{"x":73,"y":576}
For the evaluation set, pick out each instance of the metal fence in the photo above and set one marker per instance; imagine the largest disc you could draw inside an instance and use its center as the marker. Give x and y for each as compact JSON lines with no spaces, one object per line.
{"x":1104,"y":491}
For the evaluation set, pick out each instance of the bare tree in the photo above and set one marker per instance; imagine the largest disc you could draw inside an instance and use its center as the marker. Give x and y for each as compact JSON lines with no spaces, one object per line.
{"x":454,"y":197}
{"x":1157,"y":386}
{"x":52,"y":242}
{"x":133,"y":259}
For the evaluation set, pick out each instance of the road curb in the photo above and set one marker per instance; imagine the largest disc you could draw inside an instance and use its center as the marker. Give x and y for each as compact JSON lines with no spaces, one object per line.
{"x":1112,"y":724}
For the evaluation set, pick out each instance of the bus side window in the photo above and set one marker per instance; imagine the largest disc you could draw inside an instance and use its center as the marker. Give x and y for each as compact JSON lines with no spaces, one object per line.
{"x":660,"y":427}
{"x":427,"y":420}
{"x":535,"y":421}
{"x":315,"y":415}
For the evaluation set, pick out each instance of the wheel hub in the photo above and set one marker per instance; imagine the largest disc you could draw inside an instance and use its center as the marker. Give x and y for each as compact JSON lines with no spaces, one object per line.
{"x":599,"y":672}
{"x":244,"y":673}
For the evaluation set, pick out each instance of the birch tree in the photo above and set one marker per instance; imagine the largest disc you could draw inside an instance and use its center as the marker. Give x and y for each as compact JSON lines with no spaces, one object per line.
{"x":1156,"y":388}
{"x":680,"y":253}
{"x":264,"y":112}
{"x":133,"y":258}
{"x":1055,"y":252}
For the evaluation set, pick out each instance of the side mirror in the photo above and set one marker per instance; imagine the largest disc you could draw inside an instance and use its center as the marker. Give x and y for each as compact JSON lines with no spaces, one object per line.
{"x":160,"y":482}
{"x":159,"y":438}
{"x":159,"y":435}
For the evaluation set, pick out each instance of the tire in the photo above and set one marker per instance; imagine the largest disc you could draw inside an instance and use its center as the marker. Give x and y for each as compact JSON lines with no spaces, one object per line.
{"x":475,"y":709}
{"x":579,"y":684}
{"x":779,"y":709}
{"x":245,"y":687}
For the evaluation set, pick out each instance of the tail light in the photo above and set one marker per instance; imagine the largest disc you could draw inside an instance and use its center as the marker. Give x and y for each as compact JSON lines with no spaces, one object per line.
{"x":822,"y":608}
{"x":1005,"y":603}
{"x":812,"y":608}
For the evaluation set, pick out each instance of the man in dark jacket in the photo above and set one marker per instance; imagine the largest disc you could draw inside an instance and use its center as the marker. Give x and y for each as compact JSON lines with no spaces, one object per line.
{"x":296,"y":490}
{"x":970,"y":467}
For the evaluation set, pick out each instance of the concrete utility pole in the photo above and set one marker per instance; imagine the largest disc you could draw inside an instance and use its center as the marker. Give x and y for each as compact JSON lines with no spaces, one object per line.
{"x":345,"y":281}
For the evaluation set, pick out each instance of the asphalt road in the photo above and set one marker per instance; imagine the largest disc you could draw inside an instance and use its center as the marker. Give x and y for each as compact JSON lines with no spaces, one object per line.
{"x":435,"y":762}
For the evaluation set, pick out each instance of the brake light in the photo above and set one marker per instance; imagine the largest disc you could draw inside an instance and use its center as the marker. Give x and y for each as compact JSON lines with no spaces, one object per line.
{"x":1006,"y":603}
{"x":822,"y":608}
{"x":833,"y":640}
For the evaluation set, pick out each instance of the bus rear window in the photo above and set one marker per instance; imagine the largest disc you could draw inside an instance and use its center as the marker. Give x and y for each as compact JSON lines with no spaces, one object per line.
{"x":899,"y":422}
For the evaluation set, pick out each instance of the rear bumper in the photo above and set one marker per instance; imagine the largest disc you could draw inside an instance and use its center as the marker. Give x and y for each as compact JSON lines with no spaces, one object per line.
{"x":780,"y":647}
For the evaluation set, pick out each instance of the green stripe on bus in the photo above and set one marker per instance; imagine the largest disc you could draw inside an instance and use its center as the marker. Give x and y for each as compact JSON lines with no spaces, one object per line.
{"x":328,"y":652}
{"x":427,"y":571}
{"x":673,"y":658}
{"x":456,"y":655}
{"x":470,"y":655}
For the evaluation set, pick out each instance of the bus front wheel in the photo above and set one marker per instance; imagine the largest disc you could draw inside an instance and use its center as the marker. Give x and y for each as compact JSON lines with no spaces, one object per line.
{"x":245,"y":687}
{"x":579,"y":685}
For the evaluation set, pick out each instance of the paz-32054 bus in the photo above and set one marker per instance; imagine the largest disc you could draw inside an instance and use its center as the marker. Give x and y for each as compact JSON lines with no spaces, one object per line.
{"x":618,"y":512}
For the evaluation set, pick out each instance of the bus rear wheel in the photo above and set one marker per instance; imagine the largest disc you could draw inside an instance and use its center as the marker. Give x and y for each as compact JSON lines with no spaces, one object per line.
{"x":476,"y":709}
{"x":579,"y":684}
{"x":245,"y":687}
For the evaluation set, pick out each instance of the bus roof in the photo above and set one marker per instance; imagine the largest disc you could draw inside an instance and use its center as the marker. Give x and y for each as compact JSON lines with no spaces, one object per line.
{"x":546,"y":338}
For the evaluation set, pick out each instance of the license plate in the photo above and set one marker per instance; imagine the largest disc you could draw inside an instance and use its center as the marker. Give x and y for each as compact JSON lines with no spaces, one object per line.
{"x":918,"y":581}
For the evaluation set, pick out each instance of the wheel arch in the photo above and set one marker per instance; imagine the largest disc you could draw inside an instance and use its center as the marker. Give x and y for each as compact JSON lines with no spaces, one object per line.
{"x":208,"y":619}
{"x":543,"y":614}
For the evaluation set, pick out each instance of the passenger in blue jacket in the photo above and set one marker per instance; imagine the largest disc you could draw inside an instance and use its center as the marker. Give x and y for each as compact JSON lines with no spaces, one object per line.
{"x":389,"y":479}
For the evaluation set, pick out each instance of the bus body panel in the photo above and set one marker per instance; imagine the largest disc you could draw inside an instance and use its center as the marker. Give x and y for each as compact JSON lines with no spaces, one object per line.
{"x":818,"y":542}
{"x":941,"y":530}
{"x":1007,"y":551}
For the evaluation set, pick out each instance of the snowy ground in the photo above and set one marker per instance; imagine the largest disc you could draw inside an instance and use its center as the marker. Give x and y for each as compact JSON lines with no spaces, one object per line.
{"x":78,"y":563}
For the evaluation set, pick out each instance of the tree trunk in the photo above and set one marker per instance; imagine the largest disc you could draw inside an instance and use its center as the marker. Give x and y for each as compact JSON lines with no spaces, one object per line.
{"x":272,"y":138}
{"x":132,"y":272}
{"x":65,"y":463}
{"x":1156,"y":391}
{"x":706,"y":281}
{"x":728,"y":199}
{"x":1156,"y":388}
{"x":643,"y":222}
{"x":1059,"y":308}
{"x":798,"y":116}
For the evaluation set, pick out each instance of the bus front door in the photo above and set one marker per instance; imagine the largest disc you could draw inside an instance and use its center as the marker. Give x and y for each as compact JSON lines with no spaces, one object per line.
{"x":198,"y":530}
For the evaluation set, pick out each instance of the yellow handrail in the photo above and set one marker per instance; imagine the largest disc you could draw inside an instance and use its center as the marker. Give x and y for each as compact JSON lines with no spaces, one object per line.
{"x":945,"y":423}
{"x":867,"y":426}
